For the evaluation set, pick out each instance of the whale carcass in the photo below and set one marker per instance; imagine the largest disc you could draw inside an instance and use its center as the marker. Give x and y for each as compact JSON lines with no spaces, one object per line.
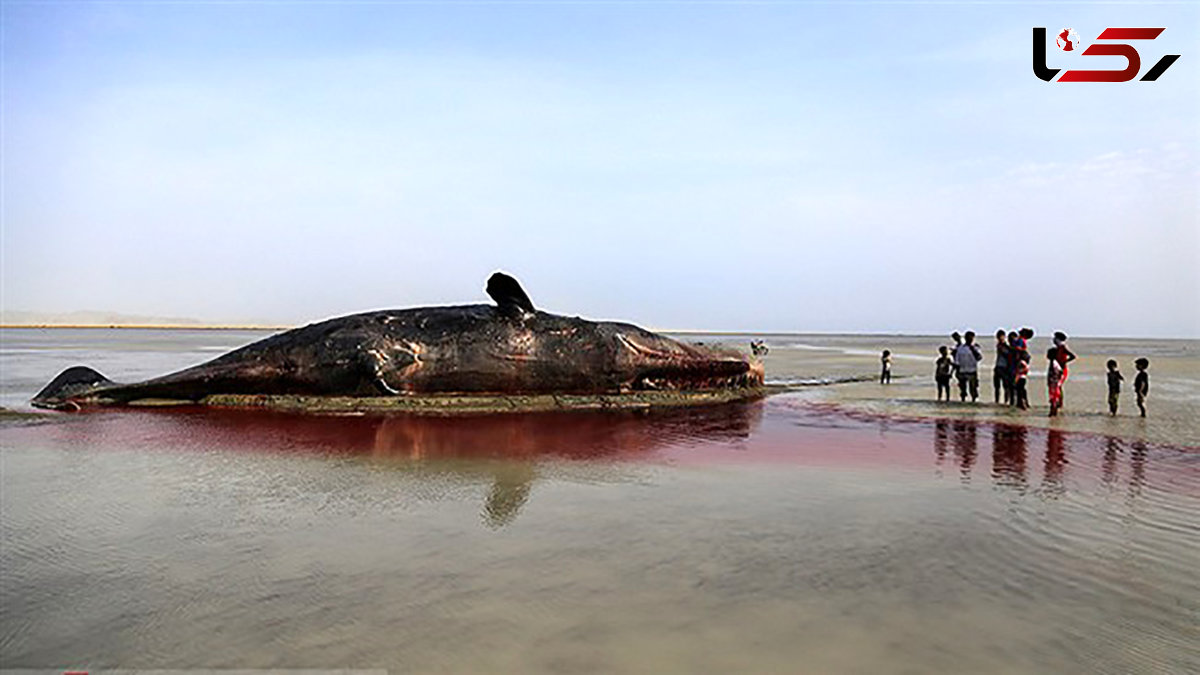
{"x":438,"y":359}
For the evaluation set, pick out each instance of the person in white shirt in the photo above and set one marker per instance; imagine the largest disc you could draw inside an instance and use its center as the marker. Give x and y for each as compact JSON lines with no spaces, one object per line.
{"x":966,"y":361}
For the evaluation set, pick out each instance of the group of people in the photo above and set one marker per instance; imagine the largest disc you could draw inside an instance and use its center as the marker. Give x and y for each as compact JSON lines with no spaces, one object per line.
{"x":1010,"y":374}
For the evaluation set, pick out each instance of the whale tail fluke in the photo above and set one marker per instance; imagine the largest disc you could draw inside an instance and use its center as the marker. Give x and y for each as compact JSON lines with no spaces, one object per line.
{"x":72,"y":382}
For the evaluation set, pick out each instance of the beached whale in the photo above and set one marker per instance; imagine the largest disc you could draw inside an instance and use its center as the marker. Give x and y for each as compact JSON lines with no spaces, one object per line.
{"x":508,"y":348}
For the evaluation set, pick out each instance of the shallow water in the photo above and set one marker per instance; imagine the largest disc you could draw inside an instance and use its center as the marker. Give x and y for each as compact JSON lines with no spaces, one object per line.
{"x":1173,"y":404}
{"x":775,"y":536}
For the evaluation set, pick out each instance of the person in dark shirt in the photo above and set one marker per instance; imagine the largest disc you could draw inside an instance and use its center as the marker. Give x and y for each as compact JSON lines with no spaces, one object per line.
{"x":1114,"y":386}
{"x":1014,"y":355}
{"x":1021,"y":378}
{"x":1055,"y":376}
{"x":885,"y":376}
{"x":1141,"y":383}
{"x":941,"y":372}
{"x":1001,"y":373}
{"x":1020,"y":360}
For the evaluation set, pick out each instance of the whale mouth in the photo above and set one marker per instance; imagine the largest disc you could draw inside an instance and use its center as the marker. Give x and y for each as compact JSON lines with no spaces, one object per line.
{"x":662,"y":364}
{"x":730,"y":374}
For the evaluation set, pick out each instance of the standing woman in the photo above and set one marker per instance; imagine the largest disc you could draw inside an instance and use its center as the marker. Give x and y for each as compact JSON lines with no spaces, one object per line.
{"x":1064,"y":356}
{"x":1000,"y":371}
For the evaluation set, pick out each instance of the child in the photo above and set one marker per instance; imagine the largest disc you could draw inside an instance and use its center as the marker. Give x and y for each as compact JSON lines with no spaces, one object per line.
{"x":1015,"y":354}
{"x":886,"y":376}
{"x":1021,"y":379}
{"x":1114,"y":386}
{"x":1141,"y":383}
{"x":941,"y":372}
{"x":1054,"y":380}
{"x":1022,"y":339}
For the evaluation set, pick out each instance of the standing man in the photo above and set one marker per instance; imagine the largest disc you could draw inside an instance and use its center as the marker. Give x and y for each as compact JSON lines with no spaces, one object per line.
{"x":1001,"y":369}
{"x":966,"y":360}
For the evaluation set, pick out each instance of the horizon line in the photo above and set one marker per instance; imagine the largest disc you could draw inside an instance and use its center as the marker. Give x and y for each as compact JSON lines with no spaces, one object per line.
{"x":673,"y":331}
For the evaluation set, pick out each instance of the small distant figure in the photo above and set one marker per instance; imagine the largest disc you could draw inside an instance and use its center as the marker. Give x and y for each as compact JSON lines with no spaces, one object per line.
{"x":1141,"y":383}
{"x":1014,"y":357}
{"x":942,"y":370}
{"x":1054,"y":380}
{"x":1021,"y":378}
{"x":759,"y":348}
{"x":1021,"y":362}
{"x":1001,"y":380}
{"x":966,"y":362}
{"x":885,"y":376}
{"x":1114,"y":386}
{"x":1064,"y":356}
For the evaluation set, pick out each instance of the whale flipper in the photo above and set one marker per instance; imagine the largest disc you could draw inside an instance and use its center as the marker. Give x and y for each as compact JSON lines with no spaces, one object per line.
{"x":508,"y":294}
{"x":70,"y":382}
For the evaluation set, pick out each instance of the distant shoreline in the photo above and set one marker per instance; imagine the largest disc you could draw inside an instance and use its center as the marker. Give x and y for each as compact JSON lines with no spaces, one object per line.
{"x":669,"y":331}
{"x":145,"y":326}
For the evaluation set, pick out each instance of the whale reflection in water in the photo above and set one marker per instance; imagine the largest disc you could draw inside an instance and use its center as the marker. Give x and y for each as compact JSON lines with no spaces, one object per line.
{"x":508,"y":450}
{"x":518,"y":441}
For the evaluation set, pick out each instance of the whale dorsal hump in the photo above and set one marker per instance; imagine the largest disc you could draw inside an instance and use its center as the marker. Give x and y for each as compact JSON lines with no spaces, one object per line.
{"x":508,"y":294}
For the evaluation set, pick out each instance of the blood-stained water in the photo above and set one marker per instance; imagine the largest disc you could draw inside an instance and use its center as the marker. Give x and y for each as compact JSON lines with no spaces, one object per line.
{"x":767,"y":536}
{"x":802,"y":533}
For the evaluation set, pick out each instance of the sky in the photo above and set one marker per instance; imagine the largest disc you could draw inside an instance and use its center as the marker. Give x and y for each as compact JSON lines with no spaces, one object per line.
{"x":777,"y":166}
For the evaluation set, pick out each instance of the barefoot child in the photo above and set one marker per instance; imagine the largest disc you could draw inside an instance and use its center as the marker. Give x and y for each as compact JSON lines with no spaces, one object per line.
{"x":886,"y":375}
{"x":941,"y":372}
{"x":1141,"y":383}
{"x":1114,"y":386}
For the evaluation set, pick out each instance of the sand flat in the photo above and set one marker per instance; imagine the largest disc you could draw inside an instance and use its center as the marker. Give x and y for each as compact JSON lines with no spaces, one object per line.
{"x":822,"y":370}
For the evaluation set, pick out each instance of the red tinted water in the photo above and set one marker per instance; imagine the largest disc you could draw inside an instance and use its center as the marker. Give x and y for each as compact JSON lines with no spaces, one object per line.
{"x":748,"y":433}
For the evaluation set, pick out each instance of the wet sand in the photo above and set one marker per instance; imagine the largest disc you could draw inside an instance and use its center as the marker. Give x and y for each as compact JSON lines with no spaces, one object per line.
{"x":1174,"y":401}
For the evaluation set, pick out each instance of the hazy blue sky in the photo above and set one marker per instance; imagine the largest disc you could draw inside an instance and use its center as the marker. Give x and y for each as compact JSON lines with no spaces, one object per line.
{"x":778,"y":166}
